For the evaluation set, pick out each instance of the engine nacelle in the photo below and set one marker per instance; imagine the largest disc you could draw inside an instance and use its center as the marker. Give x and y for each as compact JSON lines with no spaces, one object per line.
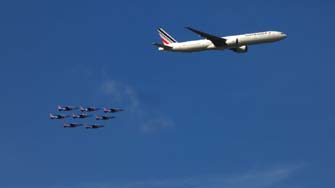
{"x":241,"y":49}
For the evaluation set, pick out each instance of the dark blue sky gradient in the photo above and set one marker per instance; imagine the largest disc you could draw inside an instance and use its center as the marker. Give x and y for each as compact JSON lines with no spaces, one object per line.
{"x":264,"y":119}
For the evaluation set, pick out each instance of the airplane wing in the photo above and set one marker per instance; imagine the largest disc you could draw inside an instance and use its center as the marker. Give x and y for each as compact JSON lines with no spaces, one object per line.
{"x":161,"y":45}
{"x":217,"y":41}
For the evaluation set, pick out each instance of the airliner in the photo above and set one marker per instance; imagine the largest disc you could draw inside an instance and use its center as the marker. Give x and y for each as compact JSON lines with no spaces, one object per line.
{"x":236,"y":43}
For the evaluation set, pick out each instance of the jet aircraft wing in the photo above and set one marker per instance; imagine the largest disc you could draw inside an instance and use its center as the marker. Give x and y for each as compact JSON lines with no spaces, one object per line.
{"x":217,"y":41}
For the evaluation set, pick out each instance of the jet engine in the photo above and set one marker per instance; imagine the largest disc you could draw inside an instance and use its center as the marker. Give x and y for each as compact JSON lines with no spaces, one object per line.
{"x":241,"y":49}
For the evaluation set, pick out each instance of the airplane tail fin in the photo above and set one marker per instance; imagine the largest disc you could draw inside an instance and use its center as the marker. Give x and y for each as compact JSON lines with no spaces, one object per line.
{"x":51,"y":115}
{"x":166,"y":38}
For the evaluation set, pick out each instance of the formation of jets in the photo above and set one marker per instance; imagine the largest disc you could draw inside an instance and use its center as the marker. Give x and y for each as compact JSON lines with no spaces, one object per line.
{"x":84,"y":116}
{"x":236,"y":43}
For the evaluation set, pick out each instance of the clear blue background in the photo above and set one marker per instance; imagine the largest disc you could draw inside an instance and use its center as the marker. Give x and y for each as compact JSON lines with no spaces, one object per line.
{"x":209,"y":119}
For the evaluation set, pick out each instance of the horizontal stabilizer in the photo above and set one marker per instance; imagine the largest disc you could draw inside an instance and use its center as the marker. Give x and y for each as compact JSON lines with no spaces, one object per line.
{"x":217,"y":41}
{"x":162,"y":45}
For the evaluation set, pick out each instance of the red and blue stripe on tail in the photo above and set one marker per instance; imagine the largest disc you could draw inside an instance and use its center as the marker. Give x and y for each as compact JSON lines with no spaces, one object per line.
{"x":166,"y":38}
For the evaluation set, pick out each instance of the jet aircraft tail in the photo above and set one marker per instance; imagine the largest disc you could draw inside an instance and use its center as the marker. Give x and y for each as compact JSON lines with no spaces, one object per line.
{"x":166,"y":38}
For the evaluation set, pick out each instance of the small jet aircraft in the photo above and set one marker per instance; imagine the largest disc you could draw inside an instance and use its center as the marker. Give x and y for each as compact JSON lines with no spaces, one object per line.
{"x":112,"y":110}
{"x":80,"y":116}
{"x":236,"y":43}
{"x":72,"y":125}
{"x":104,"y":117}
{"x":52,"y":116}
{"x":66,"y":108}
{"x":88,"y":109}
{"x":93,"y":126}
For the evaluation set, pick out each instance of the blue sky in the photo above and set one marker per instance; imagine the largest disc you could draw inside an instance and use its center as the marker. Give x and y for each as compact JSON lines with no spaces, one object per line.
{"x":212,"y":119}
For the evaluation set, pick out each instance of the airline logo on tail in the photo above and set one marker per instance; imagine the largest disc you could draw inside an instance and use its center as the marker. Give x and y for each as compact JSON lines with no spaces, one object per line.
{"x":166,"y":38}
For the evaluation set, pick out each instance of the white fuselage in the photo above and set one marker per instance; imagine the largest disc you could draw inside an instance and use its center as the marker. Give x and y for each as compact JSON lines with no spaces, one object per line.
{"x":232,"y":42}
